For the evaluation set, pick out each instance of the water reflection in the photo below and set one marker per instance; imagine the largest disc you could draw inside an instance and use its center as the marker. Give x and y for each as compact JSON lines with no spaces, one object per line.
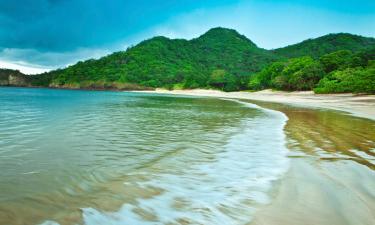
{"x":329,"y":135}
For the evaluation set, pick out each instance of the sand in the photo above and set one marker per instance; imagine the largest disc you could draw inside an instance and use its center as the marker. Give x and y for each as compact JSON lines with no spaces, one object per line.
{"x":358,"y":105}
{"x":321,"y":193}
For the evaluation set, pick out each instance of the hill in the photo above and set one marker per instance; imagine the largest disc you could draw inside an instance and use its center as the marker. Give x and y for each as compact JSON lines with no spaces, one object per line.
{"x":326,"y":44}
{"x":162,"y":62}
{"x":221,"y":58}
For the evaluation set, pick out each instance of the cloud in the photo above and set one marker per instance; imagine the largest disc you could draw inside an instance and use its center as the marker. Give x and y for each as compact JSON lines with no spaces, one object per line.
{"x":55,"y":33}
{"x":50,"y":59}
{"x":49,"y":34}
{"x":55,"y":25}
{"x":25,"y":68}
{"x":31,"y":61}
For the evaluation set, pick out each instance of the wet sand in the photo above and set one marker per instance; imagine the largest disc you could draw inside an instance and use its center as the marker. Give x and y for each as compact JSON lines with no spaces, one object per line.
{"x":358,"y":105}
{"x":331,"y":179}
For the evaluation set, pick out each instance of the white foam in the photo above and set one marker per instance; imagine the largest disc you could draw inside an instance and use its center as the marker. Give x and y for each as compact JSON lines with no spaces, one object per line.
{"x":49,"y":222}
{"x":226,"y":190}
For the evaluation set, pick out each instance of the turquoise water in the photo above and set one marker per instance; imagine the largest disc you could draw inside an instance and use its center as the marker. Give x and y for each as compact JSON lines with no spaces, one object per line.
{"x":90,"y":157}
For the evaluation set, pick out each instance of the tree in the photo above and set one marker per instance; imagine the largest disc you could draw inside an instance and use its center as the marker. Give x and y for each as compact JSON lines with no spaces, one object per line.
{"x":307,"y":77}
{"x":264,"y":78}
{"x":295,"y":74}
{"x":217,"y":79}
{"x":357,"y":80}
{"x":224,"y":81}
{"x":336,"y":60}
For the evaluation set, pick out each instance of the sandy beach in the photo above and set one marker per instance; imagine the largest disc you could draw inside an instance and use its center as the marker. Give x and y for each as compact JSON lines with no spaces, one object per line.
{"x":358,"y":105}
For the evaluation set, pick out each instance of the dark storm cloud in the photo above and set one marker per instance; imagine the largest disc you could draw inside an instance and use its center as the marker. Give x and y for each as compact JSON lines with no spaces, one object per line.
{"x":63,"y":25}
{"x":54,"y":33}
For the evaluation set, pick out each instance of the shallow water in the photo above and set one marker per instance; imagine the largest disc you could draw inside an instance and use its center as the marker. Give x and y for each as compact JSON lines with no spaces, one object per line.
{"x":86,"y":157}
{"x":328,"y":135}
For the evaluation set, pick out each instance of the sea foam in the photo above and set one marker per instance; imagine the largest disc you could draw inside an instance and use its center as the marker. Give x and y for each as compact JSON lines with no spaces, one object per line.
{"x":226,"y":190}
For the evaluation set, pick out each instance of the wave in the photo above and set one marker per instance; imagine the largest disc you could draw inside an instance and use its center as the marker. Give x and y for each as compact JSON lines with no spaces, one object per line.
{"x":226,"y":188}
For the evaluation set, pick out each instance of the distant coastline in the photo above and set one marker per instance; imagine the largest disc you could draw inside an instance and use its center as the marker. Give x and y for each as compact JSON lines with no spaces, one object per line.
{"x":354,"y":104}
{"x":360,"y":105}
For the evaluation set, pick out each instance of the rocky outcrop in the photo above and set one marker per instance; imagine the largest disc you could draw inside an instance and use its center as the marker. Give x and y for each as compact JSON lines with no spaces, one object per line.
{"x":12,"y":78}
{"x":17,"y":80}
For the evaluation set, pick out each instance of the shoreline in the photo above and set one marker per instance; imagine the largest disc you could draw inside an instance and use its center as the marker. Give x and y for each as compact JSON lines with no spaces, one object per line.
{"x":331,"y":157}
{"x":357,"y":105}
{"x":326,"y":177}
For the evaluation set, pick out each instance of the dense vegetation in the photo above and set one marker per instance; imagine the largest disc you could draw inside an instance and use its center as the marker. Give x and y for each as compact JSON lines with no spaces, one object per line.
{"x":225,"y":60}
{"x":162,"y":62}
{"x":326,"y":44}
{"x":357,"y":77}
{"x":337,"y":72}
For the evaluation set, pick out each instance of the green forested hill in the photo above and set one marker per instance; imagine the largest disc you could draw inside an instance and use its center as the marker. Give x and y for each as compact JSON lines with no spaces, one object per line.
{"x":227,"y":52}
{"x":326,"y":44}
{"x":223,"y":59}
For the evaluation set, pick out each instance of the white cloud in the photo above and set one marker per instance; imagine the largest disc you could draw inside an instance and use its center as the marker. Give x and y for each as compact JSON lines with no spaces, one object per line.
{"x":23,"y":67}
{"x":31,"y":61}
{"x":54,"y":59}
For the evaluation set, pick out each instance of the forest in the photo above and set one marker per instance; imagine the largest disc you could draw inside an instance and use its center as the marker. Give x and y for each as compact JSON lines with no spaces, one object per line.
{"x":337,"y":72}
{"x":226,"y":60}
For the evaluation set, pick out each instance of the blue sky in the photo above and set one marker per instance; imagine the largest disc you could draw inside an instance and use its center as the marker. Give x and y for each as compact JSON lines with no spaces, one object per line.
{"x":38,"y":35}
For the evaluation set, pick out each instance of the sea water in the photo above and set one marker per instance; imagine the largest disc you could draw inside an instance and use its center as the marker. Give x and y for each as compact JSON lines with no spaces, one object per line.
{"x":91,"y":157}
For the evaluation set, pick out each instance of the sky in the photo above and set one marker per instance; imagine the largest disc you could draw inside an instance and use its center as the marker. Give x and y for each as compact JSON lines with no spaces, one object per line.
{"x":40,"y":35}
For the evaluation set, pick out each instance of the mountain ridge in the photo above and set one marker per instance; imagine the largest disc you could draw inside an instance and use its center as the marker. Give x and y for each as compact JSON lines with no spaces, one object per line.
{"x":218,"y":56}
{"x":333,"y":41}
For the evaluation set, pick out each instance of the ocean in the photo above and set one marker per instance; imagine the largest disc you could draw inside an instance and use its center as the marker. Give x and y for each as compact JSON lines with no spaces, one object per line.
{"x":95,"y":157}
